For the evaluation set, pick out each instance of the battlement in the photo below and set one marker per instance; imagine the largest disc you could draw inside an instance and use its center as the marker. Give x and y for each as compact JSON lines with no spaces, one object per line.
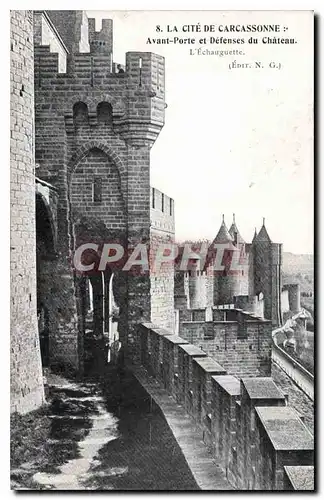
{"x":162,"y":202}
{"x":237,"y":418}
{"x":162,"y":211}
{"x":136,"y":96}
{"x":143,"y":69}
{"x":74,"y":64}
{"x":227,"y":313}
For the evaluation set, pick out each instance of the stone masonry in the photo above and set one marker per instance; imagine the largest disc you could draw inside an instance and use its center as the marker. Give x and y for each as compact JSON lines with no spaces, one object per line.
{"x":94,"y":131}
{"x":26,"y":372}
{"x":253,"y":435}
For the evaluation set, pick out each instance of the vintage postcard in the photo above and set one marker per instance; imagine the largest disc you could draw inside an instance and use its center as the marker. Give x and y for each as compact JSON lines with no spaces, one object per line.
{"x":162,"y":279}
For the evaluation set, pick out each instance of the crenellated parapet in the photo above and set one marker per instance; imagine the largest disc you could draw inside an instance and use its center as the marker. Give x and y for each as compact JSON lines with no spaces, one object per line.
{"x":259,"y":441}
{"x":162,"y":212}
{"x":162,"y":230}
{"x":136,"y":96}
{"x":240,"y":341}
{"x":101,"y":42}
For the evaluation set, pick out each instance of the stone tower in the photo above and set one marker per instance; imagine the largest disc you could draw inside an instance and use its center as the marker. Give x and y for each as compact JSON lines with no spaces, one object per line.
{"x":25,"y":367}
{"x":243,"y":275}
{"x":94,"y":130}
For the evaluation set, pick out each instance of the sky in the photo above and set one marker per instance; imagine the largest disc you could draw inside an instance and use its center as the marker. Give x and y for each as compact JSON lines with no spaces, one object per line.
{"x":234,"y":141}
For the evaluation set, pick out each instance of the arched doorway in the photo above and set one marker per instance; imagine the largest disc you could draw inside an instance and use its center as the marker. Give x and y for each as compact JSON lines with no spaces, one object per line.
{"x":98,"y":215}
{"x":100,"y":318}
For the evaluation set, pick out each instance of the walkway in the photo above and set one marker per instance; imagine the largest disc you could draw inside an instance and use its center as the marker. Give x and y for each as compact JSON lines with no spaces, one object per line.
{"x":206,"y":472}
{"x":106,"y":435}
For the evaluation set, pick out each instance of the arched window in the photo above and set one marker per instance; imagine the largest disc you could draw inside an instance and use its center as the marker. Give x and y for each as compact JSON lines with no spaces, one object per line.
{"x":80,"y":114}
{"x":104,"y":113}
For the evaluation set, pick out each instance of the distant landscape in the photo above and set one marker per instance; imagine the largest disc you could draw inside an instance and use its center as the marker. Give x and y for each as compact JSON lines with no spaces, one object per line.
{"x":299,"y":268}
{"x":298,"y":263}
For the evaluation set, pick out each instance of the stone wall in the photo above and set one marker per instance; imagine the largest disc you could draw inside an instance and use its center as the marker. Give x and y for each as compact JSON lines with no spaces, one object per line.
{"x":238,"y":341}
{"x":162,"y":277}
{"x":252,"y":433}
{"x":101,"y":41}
{"x":26,"y":371}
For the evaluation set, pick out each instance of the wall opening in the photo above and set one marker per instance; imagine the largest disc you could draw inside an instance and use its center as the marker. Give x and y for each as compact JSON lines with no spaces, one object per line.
{"x":80,"y":114}
{"x":101,"y":316}
{"x":104,"y":113}
{"x":97,"y":190}
{"x":45,"y":273}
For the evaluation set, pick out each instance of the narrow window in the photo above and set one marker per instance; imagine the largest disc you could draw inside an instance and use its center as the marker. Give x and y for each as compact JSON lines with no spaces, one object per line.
{"x":252,"y":421}
{"x":170,"y":206}
{"x":140,"y":71}
{"x":162,"y":203}
{"x":80,"y":114}
{"x":153,"y":198}
{"x":104,"y":113}
{"x":97,"y":189}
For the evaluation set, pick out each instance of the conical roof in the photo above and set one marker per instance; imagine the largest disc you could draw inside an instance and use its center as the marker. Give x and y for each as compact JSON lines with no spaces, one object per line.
{"x":263,"y":233}
{"x":223,"y":234}
{"x":233,"y":229}
{"x":194,"y":256}
{"x":255,"y":235}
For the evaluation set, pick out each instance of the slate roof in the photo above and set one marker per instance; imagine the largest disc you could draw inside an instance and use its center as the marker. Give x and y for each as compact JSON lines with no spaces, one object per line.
{"x":233,"y":229}
{"x":263,"y":235}
{"x":223,"y":234}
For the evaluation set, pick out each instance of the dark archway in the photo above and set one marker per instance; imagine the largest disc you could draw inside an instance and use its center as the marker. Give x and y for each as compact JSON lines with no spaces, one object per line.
{"x":105,"y":113}
{"x":45,"y":269}
{"x":100,"y":316}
